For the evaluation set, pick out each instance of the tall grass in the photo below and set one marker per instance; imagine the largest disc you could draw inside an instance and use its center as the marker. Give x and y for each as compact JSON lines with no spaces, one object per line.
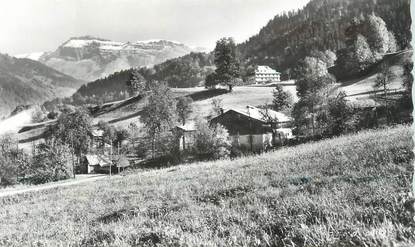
{"x":349,"y":191}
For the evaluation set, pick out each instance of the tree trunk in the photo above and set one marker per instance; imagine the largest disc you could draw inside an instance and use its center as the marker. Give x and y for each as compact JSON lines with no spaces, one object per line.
{"x":154,"y":145}
{"x":386,"y":103}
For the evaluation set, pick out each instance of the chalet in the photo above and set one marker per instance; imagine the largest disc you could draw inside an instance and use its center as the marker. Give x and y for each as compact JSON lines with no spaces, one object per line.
{"x":186,"y":135}
{"x":97,"y":163}
{"x":255,"y":129}
{"x":265,"y":74}
{"x":92,"y":163}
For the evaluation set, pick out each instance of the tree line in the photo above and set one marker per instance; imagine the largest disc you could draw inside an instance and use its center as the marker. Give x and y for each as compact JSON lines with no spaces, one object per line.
{"x":320,"y":25}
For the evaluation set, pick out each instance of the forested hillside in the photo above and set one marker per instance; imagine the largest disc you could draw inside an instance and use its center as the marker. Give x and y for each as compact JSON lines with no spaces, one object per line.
{"x":187,"y":71}
{"x":320,"y":25}
{"x":24,"y":81}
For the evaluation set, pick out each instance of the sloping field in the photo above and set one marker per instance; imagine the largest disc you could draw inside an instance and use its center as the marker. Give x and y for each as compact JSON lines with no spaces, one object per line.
{"x":347,"y":191}
{"x":362,"y":89}
{"x":239,"y":97}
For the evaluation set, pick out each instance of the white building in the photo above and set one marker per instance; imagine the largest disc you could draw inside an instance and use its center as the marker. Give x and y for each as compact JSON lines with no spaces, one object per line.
{"x":265,"y":74}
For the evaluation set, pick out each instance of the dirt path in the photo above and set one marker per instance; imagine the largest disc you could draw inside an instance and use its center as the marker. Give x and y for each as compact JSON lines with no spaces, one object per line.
{"x":78,"y":180}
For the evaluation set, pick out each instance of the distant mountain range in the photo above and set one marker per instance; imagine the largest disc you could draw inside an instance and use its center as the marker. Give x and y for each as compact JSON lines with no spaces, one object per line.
{"x":284,"y":41}
{"x":24,"y":81}
{"x":89,"y":58}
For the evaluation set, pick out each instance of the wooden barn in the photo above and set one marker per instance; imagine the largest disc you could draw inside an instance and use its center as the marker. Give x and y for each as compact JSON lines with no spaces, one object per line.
{"x":254,"y":129}
{"x":92,"y":163}
{"x":186,"y":134}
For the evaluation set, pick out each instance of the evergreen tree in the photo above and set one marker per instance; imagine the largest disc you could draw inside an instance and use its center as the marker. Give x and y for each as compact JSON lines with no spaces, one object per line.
{"x":136,"y":83}
{"x":281,"y":99}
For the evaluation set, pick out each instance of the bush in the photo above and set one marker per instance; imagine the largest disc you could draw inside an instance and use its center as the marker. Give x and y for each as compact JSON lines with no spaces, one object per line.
{"x":8,"y":158}
{"x":8,"y":172}
{"x":50,"y":163}
{"x":211,"y":142}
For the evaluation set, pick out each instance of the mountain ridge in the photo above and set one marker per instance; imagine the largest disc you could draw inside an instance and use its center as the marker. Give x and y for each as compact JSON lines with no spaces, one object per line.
{"x":24,"y":81}
{"x":89,"y":58}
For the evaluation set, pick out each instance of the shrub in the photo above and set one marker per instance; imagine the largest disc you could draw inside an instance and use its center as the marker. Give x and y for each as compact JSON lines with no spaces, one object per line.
{"x":211,"y":142}
{"x":50,"y":162}
{"x":8,"y":158}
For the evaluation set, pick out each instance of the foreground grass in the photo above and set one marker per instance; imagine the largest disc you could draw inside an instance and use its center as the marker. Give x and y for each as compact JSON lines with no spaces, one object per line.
{"x":349,"y":191}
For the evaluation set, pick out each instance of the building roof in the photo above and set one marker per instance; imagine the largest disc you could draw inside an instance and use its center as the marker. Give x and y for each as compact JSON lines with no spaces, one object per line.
{"x":261,"y":114}
{"x":266,"y":70}
{"x":284,"y":130}
{"x":97,"y":132}
{"x":122,"y":161}
{"x":189,"y":126}
{"x":94,"y":160}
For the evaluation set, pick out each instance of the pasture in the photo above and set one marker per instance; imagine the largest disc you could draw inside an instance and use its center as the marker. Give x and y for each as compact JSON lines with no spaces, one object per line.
{"x":352,"y":190}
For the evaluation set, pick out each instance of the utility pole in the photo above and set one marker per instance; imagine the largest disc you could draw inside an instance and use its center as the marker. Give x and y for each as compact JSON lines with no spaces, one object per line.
{"x":118,"y":165}
{"x":250,"y":129}
{"x":72,"y":153}
{"x":111,"y":160}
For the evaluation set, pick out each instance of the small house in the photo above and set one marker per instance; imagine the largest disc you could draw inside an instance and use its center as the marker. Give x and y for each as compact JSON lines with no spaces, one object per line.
{"x":254,"y":129}
{"x":186,"y":134}
{"x":92,"y":163}
{"x":122,"y":162}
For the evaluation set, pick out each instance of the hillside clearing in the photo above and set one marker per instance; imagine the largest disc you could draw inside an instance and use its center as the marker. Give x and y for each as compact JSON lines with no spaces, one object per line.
{"x":351,"y":190}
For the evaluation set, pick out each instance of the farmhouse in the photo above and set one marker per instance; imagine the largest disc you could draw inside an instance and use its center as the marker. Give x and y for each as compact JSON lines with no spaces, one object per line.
{"x":265,"y":74}
{"x":186,"y":134}
{"x":255,"y":129}
{"x":92,"y":163}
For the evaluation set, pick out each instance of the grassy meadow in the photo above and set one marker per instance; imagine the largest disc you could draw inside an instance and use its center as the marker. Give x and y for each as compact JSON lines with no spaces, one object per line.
{"x":347,"y":191}
{"x":239,"y":97}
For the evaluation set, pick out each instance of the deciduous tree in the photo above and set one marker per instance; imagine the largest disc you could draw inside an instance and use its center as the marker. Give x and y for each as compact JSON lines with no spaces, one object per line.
{"x":159,"y":112}
{"x":227,"y":65}
{"x":377,"y":35}
{"x":184,"y":108}
{"x":73,"y":130}
{"x":313,"y":78}
{"x":211,"y":142}
{"x":383,"y":81}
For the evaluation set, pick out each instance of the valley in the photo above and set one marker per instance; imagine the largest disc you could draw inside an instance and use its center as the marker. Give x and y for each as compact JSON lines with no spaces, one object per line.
{"x":296,"y":136}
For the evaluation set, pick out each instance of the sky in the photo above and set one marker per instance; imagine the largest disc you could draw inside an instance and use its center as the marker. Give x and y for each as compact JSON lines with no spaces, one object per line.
{"x":42,"y":25}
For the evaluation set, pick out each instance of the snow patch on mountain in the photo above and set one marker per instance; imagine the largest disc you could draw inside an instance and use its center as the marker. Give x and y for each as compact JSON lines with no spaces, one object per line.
{"x":33,"y":56}
{"x":80,"y":43}
{"x":89,"y":58}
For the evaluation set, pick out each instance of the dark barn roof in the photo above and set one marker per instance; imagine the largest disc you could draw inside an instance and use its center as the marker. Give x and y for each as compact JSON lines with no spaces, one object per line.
{"x":251,"y":121}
